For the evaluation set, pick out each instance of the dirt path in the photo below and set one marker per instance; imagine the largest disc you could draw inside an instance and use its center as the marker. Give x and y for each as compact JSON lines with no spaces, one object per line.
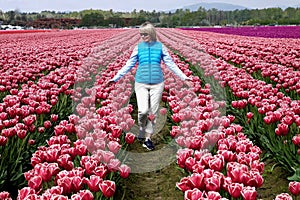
{"x":153,"y":173}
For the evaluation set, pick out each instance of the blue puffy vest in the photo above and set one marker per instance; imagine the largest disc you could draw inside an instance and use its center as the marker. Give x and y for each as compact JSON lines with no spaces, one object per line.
{"x":149,"y":69}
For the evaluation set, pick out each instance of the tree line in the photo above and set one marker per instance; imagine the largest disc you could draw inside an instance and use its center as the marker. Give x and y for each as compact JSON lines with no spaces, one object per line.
{"x":179,"y":18}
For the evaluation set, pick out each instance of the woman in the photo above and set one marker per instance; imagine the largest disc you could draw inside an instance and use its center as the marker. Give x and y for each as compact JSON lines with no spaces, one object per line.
{"x":149,"y":79}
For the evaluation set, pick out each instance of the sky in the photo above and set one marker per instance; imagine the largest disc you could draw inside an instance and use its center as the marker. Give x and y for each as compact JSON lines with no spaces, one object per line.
{"x":128,"y":6}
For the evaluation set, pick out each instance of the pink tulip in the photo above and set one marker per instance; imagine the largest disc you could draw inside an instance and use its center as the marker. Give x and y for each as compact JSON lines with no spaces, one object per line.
{"x":213,"y":183}
{"x":108,"y":188}
{"x":113,"y":165}
{"x":213,"y":195}
{"x":249,"y":193}
{"x":114,"y":146}
{"x":163,"y":111}
{"x":47,"y":124}
{"x":194,"y":194}
{"x":283,"y":196}
{"x":83,"y":195}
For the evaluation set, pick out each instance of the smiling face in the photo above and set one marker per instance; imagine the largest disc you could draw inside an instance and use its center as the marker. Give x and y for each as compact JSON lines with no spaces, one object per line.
{"x":145,"y":36}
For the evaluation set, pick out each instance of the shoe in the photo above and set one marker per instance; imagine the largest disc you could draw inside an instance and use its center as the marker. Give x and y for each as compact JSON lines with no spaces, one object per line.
{"x":148,"y":145}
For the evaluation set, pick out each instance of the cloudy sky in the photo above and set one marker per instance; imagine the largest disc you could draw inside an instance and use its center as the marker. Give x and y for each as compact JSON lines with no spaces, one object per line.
{"x":119,"y":5}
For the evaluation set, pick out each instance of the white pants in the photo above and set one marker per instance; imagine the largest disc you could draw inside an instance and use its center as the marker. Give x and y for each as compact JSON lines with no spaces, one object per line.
{"x":148,"y":100}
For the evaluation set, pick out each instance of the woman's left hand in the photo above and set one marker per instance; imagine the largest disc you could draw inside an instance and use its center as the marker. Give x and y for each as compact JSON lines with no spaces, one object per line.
{"x":188,"y":82}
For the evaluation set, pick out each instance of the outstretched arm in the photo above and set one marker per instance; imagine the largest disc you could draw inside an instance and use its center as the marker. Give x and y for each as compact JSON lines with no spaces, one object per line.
{"x":172,"y":66}
{"x":128,"y":66}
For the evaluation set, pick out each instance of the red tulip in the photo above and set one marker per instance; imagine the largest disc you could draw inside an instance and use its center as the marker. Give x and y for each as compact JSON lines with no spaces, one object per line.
{"x":77,"y":183}
{"x":294,"y":188}
{"x":3,"y":140}
{"x":129,"y":138}
{"x":25,"y":192}
{"x":108,"y":188}
{"x":35,"y":182}
{"x":29,"y":120}
{"x":235,"y":189}
{"x":282,"y":129}
{"x":54,"y":117}
{"x":47,"y":124}
{"x":296,"y":140}
{"x":66,"y":184}
{"x":5,"y":196}
{"x":94,"y":182}
{"x":116,"y":131}
{"x":124,"y":171}
{"x":217,"y":163}
{"x":101,"y":171}
{"x":184,"y":184}
{"x":197,"y":181}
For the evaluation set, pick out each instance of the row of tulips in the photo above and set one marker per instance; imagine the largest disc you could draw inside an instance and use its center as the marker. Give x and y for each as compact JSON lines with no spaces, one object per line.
{"x":29,"y":56}
{"x":84,"y":167}
{"x":281,"y":51}
{"x":28,"y":115}
{"x":29,"y":111}
{"x":256,"y":31}
{"x":227,"y":134}
{"x":221,"y":161}
{"x":251,"y":56}
{"x":257,"y":93}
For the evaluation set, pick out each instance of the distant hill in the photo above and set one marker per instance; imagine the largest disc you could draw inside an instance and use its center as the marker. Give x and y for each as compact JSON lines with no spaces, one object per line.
{"x":207,"y":6}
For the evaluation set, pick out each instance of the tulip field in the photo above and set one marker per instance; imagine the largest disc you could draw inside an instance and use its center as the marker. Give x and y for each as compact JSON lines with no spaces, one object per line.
{"x":65,"y":133}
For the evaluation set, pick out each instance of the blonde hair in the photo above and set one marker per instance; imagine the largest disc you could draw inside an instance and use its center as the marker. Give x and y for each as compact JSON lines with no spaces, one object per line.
{"x":147,"y":27}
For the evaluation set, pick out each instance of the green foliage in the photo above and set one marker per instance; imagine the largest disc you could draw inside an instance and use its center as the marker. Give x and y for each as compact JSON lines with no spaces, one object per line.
{"x":180,"y":17}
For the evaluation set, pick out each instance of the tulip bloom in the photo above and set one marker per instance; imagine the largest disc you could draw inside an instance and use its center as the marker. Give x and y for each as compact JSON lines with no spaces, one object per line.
{"x":294,"y":188}
{"x":108,"y":188}
{"x":235,"y":189}
{"x":283,"y":196}
{"x":193,"y":194}
{"x":129,"y":138}
{"x":249,"y":193}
